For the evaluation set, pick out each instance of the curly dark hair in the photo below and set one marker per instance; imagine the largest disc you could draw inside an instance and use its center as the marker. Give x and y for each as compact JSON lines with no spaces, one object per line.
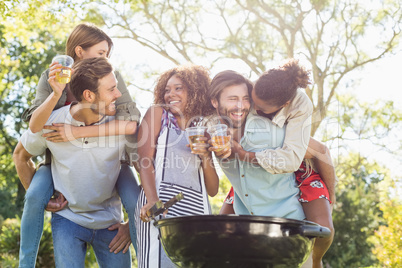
{"x":279,"y":85}
{"x":197,"y":80}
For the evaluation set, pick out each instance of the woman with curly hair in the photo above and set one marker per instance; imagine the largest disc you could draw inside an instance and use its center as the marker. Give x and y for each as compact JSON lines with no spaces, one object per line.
{"x":167,"y":165}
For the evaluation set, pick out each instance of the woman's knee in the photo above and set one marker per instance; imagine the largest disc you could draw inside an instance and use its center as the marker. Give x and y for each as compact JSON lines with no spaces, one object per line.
{"x":41,"y":187}
{"x":128,"y":189}
{"x":325,"y":222}
{"x":35,"y":198}
{"x":129,"y":204}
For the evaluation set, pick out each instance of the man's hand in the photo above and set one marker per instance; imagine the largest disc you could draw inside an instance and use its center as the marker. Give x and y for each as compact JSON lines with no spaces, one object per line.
{"x":122,"y":240}
{"x":236,"y":148}
{"x":61,"y":132}
{"x":224,"y":151}
{"x":56,"y":203}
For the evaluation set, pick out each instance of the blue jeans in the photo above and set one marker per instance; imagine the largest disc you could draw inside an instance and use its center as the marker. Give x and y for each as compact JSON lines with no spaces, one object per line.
{"x":38,"y":195}
{"x":128,"y":188}
{"x":36,"y":198}
{"x":70,"y":242}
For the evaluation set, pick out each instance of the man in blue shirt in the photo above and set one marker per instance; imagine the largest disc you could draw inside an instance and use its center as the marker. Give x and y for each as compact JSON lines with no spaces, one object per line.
{"x":257,"y":192}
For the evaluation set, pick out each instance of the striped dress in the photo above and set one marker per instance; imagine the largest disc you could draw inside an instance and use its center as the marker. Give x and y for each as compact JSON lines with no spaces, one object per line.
{"x":176,"y":170}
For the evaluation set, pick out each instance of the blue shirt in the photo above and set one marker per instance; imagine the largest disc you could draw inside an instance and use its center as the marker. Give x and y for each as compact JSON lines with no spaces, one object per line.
{"x":258,"y":192}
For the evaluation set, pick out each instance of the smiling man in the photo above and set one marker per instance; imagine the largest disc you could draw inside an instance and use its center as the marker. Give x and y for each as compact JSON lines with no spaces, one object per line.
{"x":257,"y":192}
{"x":260,"y":133}
{"x":85,"y":171}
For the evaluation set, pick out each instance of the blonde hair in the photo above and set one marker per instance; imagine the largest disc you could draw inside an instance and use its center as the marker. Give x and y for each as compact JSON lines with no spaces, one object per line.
{"x":309,"y":168}
{"x":86,"y":35}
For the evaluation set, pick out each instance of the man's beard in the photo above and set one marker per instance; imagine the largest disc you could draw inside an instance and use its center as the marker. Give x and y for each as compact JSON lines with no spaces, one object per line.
{"x":99,"y":107}
{"x":225,"y":116}
{"x":95,"y":109}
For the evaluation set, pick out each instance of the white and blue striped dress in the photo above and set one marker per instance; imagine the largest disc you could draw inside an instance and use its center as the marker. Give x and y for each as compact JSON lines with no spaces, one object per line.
{"x":176,"y":170}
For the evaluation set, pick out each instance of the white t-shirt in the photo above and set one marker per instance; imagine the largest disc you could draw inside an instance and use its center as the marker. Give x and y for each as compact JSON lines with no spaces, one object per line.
{"x":84,"y":171}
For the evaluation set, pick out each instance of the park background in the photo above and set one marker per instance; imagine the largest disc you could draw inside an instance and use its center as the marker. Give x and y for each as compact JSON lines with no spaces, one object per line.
{"x":352,"y":47}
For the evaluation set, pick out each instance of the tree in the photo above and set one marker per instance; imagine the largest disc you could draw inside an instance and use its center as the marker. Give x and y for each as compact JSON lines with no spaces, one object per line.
{"x":377,"y":122}
{"x":387,"y":238}
{"x":9,"y":244}
{"x":356,"y":214}
{"x":363,"y":183}
{"x":30,"y":35}
{"x":332,"y":36}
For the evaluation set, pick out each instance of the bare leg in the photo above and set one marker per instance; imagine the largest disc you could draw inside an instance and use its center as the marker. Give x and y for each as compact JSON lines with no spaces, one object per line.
{"x":226,"y":209}
{"x":319,"y":211}
{"x":321,"y":157}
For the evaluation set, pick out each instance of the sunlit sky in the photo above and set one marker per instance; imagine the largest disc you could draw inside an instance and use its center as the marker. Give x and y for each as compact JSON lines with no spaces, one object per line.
{"x":377,"y":81}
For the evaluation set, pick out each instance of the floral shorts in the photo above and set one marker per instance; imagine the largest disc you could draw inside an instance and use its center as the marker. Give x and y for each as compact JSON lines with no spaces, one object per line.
{"x":311,"y":188}
{"x":230,"y":197}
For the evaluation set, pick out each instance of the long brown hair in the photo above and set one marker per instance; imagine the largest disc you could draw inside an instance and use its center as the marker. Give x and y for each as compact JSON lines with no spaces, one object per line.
{"x":86,"y":35}
{"x":197,"y":80}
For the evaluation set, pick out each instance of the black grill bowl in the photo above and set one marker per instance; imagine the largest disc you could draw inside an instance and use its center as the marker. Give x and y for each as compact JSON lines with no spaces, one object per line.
{"x":238,"y":241}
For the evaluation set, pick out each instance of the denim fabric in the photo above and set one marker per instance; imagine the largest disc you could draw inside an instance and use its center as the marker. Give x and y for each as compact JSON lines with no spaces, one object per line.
{"x":261,"y":192}
{"x":70,"y":243}
{"x":128,"y":188}
{"x":41,"y":190}
{"x":258,"y":192}
{"x":36,"y":198}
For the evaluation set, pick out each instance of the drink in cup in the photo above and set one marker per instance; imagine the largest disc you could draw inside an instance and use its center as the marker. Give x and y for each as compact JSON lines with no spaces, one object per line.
{"x":64,"y":76}
{"x":194,"y":134}
{"x":219,"y":135}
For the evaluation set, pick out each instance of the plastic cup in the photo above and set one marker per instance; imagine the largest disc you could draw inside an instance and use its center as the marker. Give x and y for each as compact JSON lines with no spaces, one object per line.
{"x":64,"y":76}
{"x":219,"y":135}
{"x":194,"y":134}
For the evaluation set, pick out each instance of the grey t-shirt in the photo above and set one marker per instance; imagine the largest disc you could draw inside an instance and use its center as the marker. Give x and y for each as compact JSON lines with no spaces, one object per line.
{"x":84,"y":171}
